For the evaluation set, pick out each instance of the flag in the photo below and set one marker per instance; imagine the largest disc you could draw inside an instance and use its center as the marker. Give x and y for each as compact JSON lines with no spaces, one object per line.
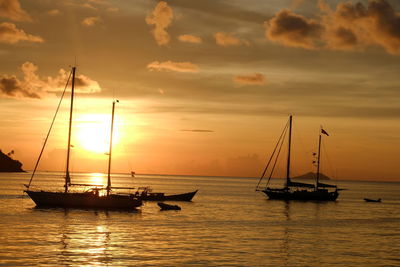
{"x":324,"y":132}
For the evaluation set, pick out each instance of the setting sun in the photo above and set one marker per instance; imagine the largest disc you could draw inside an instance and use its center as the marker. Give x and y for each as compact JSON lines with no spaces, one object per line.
{"x":93,"y":132}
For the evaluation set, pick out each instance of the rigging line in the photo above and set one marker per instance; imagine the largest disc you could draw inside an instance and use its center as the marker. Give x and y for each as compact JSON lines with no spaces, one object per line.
{"x":272,"y":155}
{"x":48,"y":133}
{"x":276,"y":159}
{"x":330,"y":165}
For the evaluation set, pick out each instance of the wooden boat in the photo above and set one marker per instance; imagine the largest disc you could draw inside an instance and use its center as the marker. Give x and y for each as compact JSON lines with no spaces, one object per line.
{"x":372,"y":200}
{"x":296,"y":190}
{"x":165,"y":206}
{"x":97,"y":197}
{"x":148,"y":195}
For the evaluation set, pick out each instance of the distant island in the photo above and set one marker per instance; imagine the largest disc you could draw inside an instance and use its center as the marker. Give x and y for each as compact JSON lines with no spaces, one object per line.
{"x":312,"y":176}
{"x":8,"y":164}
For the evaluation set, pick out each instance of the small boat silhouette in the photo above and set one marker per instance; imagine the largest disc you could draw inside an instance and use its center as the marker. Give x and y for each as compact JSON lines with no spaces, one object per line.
{"x":165,"y":206}
{"x":372,"y":200}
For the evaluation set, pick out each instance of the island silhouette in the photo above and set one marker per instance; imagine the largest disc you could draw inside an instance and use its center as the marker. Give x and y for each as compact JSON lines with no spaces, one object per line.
{"x":7,"y":164}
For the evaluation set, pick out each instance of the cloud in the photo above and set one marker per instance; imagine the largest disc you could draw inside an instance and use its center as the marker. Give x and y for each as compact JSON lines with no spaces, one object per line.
{"x":9,"y":33}
{"x":348,"y":27}
{"x":32,"y":86}
{"x":187,"y":38}
{"x":173,"y":66}
{"x":252,"y":79}
{"x":12,"y":87}
{"x":54,"y":12}
{"x":197,"y":130}
{"x":375,"y":24}
{"x":161,"y":18}
{"x":294,"y":30}
{"x":226,"y":39}
{"x":11,"y":9}
{"x":90,"y":21}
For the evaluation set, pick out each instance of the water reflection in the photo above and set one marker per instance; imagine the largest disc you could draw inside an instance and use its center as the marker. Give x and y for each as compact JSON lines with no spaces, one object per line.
{"x":83,"y":243}
{"x":286,"y":237}
{"x":303,"y":229}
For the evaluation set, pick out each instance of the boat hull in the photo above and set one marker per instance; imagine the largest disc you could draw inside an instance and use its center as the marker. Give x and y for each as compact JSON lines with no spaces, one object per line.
{"x":83,"y":200}
{"x":303,"y":195}
{"x":162,"y":197}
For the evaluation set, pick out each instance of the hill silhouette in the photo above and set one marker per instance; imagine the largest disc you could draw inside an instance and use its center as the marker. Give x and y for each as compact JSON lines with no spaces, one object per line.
{"x":8,"y":164}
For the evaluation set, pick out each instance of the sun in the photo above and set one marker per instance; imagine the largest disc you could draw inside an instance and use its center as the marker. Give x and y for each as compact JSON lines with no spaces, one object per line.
{"x":93,"y":132}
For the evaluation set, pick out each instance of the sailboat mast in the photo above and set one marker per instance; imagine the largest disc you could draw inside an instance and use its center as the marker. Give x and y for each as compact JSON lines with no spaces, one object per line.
{"x":319,"y":157}
{"x":110,"y":150}
{"x":67,"y":176}
{"x":289,"y":147}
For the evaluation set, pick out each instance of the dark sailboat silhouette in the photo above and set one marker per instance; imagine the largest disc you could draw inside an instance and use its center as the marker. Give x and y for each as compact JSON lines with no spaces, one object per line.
{"x":97,"y":197}
{"x":296,"y":190}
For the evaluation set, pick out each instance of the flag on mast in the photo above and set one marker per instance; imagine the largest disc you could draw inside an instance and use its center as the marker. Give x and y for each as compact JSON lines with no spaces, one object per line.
{"x":324,"y":132}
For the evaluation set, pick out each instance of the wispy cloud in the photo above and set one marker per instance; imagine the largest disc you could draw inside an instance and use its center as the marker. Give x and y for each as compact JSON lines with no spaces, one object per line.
{"x":161,"y":18}
{"x":251,"y":79}
{"x":32,"y":86}
{"x":90,"y":21}
{"x":197,"y":130}
{"x":173,"y":66}
{"x":227,"y":39}
{"x":54,"y":12}
{"x":11,"y":9}
{"x":348,"y":27}
{"x":9,"y":33}
{"x":188,"y":38}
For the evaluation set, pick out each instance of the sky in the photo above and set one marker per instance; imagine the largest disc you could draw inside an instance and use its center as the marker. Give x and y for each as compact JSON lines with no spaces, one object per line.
{"x":204,"y":87}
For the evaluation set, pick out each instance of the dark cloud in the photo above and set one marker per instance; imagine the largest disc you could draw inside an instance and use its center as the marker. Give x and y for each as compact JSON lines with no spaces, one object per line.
{"x":350,"y":26}
{"x":32,"y":86}
{"x":12,"y":87}
{"x":294,"y":30}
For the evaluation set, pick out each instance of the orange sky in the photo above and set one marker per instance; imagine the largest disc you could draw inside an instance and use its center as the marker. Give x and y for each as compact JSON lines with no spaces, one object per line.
{"x":205,"y":87}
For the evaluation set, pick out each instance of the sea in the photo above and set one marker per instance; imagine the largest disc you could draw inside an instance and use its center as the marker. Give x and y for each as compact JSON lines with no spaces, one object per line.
{"x":227,"y":223}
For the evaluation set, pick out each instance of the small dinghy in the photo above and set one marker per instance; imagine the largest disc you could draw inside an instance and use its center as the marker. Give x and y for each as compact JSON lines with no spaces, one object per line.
{"x":165,"y":206}
{"x":372,"y":200}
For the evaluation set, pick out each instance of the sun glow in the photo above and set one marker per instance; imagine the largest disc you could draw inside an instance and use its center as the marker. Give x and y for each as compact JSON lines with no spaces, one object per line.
{"x":93,"y":132}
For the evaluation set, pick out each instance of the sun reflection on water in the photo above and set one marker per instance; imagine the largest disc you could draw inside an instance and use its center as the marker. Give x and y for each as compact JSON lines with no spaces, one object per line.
{"x":97,"y":179}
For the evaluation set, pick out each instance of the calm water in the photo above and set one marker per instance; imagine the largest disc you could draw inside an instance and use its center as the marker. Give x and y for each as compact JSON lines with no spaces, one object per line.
{"x":227,"y":224}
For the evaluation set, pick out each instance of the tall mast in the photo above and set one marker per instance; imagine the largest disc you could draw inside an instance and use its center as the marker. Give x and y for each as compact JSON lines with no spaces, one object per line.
{"x":67,"y":176}
{"x":110,"y":150}
{"x":319,"y":157}
{"x":289,"y":146}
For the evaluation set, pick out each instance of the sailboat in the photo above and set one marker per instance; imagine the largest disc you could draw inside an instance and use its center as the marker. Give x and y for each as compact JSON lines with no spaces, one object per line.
{"x":96,"y":197}
{"x":296,"y":190}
